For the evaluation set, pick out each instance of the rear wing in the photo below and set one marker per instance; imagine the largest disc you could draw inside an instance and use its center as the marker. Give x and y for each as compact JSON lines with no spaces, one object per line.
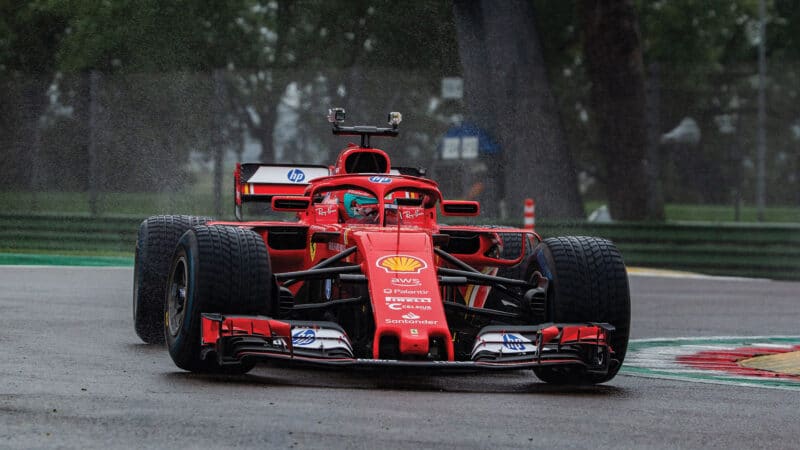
{"x":256,"y":182}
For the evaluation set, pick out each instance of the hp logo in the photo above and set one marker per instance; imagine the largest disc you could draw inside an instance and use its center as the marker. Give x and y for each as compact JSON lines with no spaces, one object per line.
{"x":304,"y":337}
{"x":513,"y":342}
{"x":296,"y":175}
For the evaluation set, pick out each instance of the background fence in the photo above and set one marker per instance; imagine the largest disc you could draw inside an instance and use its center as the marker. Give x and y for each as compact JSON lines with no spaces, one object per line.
{"x":769,"y":251}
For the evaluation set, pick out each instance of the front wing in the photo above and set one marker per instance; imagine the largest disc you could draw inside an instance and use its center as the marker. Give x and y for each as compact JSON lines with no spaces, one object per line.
{"x":232,"y":339}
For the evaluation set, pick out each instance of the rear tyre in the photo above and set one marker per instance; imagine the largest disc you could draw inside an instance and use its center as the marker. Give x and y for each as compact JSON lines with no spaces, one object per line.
{"x":588,"y":283}
{"x":215,"y":269}
{"x":155,"y":245}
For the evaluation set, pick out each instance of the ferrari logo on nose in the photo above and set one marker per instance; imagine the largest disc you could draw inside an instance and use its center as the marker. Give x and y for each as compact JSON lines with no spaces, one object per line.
{"x":401,"y":264}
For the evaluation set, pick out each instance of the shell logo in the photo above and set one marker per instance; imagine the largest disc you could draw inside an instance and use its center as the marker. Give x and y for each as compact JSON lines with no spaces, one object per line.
{"x":401,"y":264}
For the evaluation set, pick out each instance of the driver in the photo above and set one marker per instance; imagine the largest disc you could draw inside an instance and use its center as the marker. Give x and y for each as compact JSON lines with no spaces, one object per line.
{"x":360,"y":208}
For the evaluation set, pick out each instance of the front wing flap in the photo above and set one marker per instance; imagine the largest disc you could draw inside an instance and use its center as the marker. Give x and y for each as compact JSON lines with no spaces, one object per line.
{"x":233,"y":338}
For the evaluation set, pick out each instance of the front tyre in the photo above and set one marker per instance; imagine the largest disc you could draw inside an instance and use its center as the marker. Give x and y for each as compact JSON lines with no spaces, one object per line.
{"x":215,"y":269}
{"x":588,"y":283}
{"x":155,"y":245}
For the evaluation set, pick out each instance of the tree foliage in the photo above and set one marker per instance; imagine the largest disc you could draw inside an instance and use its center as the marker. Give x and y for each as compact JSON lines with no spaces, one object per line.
{"x":291,"y":59}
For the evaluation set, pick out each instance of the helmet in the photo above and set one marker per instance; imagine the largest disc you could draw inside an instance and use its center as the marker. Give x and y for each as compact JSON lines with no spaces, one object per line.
{"x":359,"y":206}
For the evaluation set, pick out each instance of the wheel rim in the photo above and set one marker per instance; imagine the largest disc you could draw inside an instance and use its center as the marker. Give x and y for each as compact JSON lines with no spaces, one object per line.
{"x":176,"y":297}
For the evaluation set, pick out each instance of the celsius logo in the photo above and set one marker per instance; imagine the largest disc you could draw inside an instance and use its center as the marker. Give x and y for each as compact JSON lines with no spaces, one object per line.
{"x":401,"y":264}
{"x":513,"y":342}
{"x":304,"y":337}
{"x":410,"y":316}
{"x":296,"y":175}
{"x":382,"y":180}
{"x":406,"y":282}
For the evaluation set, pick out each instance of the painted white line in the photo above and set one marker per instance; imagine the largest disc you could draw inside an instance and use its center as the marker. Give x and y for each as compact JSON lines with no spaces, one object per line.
{"x":661,"y":273}
{"x":706,"y":381}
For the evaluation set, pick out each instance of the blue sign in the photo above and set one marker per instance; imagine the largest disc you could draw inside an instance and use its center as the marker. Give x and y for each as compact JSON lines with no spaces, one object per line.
{"x":296,"y":176}
{"x":467,"y":140}
{"x":382,"y":180}
{"x":304,"y":337}
{"x":513,"y":342}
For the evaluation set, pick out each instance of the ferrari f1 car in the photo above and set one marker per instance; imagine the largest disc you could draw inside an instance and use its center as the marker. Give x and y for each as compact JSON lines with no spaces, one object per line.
{"x":365,"y":276}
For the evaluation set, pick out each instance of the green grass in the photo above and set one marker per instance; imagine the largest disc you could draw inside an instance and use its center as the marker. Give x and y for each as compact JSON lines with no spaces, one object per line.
{"x":720,"y":213}
{"x":196,"y":199}
{"x":199,"y":200}
{"x":142,"y":204}
{"x":65,"y":252}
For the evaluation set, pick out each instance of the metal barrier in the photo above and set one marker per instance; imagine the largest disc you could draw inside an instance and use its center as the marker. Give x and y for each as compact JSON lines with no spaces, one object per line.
{"x":755,"y":250}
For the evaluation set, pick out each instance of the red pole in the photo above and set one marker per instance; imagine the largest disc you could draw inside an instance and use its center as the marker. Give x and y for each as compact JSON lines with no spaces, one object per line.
{"x":530,"y":214}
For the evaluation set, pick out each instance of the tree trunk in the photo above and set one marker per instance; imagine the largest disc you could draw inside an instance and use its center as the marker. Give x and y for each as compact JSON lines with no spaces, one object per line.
{"x":507,"y":93}
{"x":614,"y":64}
{"x":266,"y":130}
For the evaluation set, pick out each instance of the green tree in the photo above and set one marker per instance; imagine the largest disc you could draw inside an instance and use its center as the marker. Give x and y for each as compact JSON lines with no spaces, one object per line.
{"x":29,"y":37}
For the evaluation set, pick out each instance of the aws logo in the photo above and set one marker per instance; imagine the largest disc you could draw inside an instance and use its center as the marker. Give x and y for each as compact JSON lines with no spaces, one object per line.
{"x":401,"y":264}
{"x":406,"y":282}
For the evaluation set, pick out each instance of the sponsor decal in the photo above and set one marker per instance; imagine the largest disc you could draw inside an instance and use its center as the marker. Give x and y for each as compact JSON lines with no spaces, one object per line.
{"x":326,"y":210}
{"x":336,"y":247}
{"x":305,"y":336}
{"x":414,"y":331}
{"x":513,"y":342}
{"x":312,"y":249}
{"x":410,"y":316}
{"x":410,"y":322}
{"x":406,"y":282}
{"x":296,"y":176}
{"x":402,"y":306}
{"x":416,"y":303}
{"x":408,"y":299}
{"x":410,"y":215}
{"x":401,"y":264}
{"x":381,"y":180}
{"x":414,"y":292}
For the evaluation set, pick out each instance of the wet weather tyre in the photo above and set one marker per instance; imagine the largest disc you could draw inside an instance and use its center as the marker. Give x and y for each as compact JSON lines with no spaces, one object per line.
{"x":215,"y":269}
{"x":588,"y":283}
{"x":158,"y":236}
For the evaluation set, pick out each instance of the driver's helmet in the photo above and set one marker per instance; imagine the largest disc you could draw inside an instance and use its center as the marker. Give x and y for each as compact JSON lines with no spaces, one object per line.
{"x":359,"y":206}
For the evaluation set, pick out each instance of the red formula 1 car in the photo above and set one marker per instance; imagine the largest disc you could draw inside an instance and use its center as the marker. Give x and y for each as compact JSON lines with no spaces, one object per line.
{"x":366,"y":276}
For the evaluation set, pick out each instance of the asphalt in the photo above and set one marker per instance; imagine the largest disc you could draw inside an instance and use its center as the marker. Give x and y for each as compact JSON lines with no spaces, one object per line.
{"x":74,"y":375}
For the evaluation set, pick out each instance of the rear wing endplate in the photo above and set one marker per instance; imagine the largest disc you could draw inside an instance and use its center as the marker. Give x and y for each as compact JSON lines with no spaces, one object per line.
{"x":256,"y":182}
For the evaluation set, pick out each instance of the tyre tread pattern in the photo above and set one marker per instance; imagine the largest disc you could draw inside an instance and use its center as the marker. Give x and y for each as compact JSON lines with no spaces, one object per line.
{"x":232,"y":276}
{"x":234,"y":272}
{"x":157,"y":238}
{"x":591,"y":285}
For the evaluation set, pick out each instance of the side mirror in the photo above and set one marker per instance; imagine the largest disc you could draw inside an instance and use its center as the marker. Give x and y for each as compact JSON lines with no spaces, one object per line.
{"x":290,"y":203}
{"x":460,"y":208}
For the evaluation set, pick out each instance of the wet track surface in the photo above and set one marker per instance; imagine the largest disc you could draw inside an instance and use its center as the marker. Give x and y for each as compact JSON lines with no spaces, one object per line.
{"x":75,"y":375}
